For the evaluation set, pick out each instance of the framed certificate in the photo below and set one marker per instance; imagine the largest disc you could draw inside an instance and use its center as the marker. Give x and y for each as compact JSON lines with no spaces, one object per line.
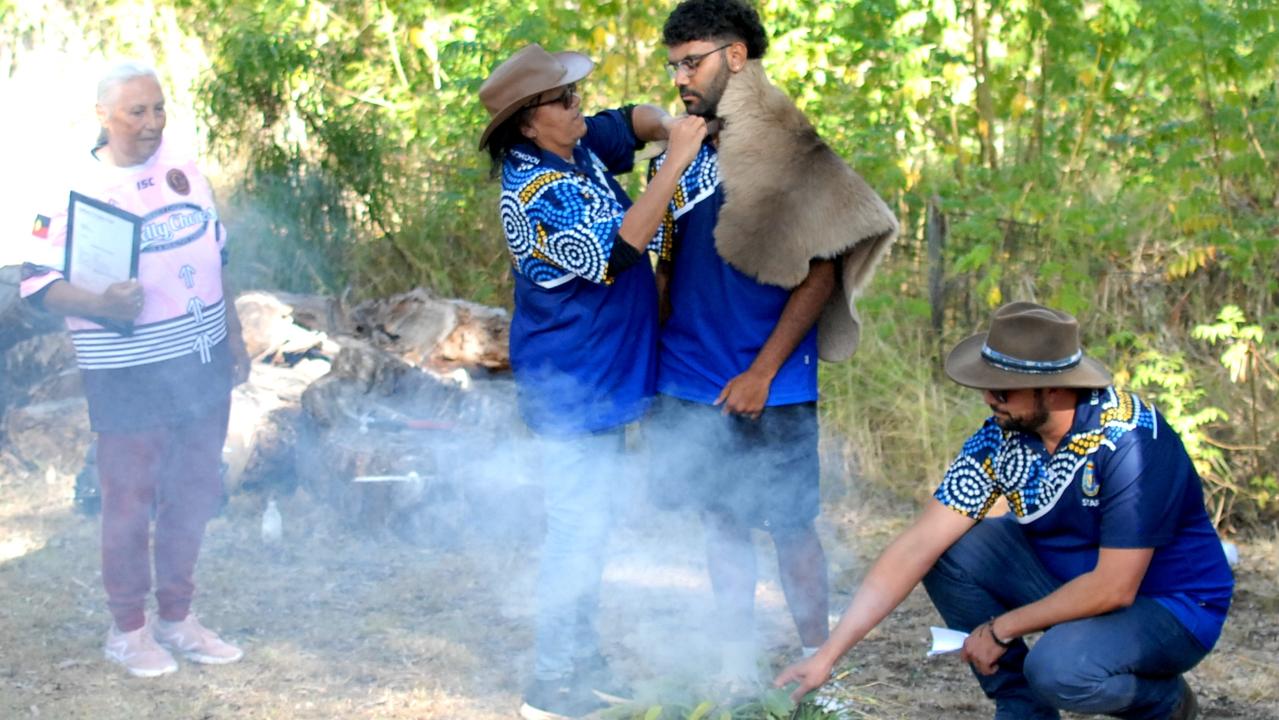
{"x":103,"y":242}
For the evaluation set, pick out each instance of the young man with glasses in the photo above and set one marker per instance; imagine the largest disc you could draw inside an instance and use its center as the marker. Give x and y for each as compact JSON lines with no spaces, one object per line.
{"x":1107,"y":551}
{"x":734,"y":432}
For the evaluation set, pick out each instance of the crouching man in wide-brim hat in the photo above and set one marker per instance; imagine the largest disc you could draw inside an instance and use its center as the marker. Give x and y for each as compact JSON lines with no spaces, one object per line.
{"x":1108,"y":550}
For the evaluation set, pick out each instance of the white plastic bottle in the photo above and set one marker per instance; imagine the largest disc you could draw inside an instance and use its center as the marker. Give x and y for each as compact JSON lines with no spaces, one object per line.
{"x":272,"y":523}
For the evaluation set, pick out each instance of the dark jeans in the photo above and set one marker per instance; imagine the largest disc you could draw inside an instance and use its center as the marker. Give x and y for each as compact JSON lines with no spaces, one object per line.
{"x":1125,"y":663}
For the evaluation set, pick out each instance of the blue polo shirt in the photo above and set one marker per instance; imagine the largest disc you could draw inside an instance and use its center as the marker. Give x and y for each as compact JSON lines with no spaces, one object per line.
{"x":583,"y":342}
{"x":720,"y":317}
{"x":1120,"y":479}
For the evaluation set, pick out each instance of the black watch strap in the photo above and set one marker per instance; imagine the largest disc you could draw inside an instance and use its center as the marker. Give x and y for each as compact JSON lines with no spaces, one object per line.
{"x":990,"y":625}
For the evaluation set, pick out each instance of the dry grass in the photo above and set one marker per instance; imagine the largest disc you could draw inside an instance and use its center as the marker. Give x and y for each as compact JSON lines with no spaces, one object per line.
{"x":338,"y":624}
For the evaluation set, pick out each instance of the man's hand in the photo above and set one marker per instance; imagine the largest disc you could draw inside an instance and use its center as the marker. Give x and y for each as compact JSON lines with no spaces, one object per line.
{"x":746,"y":394}
{"x":981,"y":650}
{"x":809,"y":673}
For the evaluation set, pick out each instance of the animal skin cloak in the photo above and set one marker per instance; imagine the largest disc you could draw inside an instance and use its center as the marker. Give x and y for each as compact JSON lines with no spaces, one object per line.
{"x":788,"y":199}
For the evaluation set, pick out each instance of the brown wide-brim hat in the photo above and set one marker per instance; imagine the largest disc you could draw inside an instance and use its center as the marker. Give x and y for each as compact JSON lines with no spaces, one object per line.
{"x":1028,"y":346}
{"x":523,"y":76}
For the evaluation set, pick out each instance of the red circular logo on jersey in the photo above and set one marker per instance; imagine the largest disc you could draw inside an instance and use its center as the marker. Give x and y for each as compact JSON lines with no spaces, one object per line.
{"x":178,"y":181}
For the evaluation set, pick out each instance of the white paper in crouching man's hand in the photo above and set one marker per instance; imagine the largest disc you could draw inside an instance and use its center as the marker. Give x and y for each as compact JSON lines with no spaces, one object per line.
{"x":946,"y":640}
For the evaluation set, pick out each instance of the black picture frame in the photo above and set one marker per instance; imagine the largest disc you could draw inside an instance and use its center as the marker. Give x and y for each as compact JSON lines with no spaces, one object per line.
{"x":75,"y":199}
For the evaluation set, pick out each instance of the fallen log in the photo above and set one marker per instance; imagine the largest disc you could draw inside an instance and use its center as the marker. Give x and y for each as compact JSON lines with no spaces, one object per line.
{"x":49,"y":434}
{"x":394,"y":447}
{"x":40,"y":386}
{"x":18,"y":319}
{"x":435,"y":333}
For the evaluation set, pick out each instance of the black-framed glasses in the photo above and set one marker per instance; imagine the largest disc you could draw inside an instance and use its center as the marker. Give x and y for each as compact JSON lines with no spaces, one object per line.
{"x":688,"y":64}
{"x":565,"y":98}
{"x":1000,"y":396}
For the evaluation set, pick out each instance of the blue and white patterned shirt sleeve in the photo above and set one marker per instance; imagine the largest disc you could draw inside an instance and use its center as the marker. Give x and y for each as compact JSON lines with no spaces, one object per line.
{"x":970,"y":485}
{"x":556,"y":222}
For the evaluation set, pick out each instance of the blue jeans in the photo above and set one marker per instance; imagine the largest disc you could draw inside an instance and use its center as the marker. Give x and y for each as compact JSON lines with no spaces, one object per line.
{"x":581,"y":477}
{"x":1126,"y":663}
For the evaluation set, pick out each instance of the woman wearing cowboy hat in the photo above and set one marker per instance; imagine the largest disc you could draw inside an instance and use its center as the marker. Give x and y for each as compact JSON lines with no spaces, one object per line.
{"x":1108,"y":550}
{"x":583,"y":334}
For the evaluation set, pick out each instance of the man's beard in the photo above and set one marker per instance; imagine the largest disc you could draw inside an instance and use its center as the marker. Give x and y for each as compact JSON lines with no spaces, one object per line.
{"x":1030,"y":424}
{"x":707,"y":105}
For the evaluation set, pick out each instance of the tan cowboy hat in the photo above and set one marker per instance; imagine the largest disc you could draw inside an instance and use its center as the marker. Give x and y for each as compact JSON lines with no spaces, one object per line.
{"x":1028,"y":346}
{"x":528,"y":73}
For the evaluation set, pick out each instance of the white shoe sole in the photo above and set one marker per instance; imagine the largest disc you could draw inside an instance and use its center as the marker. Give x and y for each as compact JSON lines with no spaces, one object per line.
{"x":610,"y":698}
{"x":528,"y":712}
{"x":204,"y":659}
{"x":136,"y":672}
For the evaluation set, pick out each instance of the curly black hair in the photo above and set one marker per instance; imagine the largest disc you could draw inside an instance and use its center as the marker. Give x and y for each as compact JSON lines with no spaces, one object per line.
{"x":693,"y":20}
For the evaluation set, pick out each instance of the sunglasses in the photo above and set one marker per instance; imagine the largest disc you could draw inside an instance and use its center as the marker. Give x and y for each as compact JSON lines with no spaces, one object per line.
{"x":565,"y":98}
{"x":1000,"y":396}
{"x":688,"y":64}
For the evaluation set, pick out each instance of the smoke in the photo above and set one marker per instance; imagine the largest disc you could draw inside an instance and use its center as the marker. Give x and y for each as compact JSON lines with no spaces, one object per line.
{"x":477,"y":489}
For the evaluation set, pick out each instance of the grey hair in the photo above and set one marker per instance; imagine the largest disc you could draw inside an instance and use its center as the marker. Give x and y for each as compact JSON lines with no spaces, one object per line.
{"x":113,"y":79}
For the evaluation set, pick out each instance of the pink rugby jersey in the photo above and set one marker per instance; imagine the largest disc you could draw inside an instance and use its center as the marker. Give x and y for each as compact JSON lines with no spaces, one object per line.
{"x":179,"y":267}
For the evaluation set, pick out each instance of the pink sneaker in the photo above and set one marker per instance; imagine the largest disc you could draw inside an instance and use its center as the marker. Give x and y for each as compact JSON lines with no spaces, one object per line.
{"x":195,"y":642}
{"x":138,"y":652}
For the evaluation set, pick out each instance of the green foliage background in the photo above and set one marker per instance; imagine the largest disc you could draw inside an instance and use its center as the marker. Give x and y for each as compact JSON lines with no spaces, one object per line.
{"x":1115,"y":158}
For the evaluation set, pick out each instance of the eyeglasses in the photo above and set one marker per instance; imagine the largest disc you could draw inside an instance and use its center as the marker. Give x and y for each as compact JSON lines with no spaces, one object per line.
{"x":688,"y":64}
{"x":1000,"y":396}
{"x":565,"y":98}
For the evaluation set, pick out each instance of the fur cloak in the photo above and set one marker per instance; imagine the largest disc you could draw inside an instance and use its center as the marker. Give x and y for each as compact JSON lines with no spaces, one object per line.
{"x":788,"y":199}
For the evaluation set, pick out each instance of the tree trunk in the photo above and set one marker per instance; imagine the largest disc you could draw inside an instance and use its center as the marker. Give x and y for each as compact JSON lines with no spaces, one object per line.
{"x":935,"y":232}
{"x":985,"y":104}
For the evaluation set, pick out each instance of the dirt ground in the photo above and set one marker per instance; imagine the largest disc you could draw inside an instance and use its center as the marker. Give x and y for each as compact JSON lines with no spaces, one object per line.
{"x":339,"y":623}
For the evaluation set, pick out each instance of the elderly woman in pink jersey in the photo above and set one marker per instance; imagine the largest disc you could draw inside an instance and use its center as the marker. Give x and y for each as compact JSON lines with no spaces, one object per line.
{"x":158,"y":397}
